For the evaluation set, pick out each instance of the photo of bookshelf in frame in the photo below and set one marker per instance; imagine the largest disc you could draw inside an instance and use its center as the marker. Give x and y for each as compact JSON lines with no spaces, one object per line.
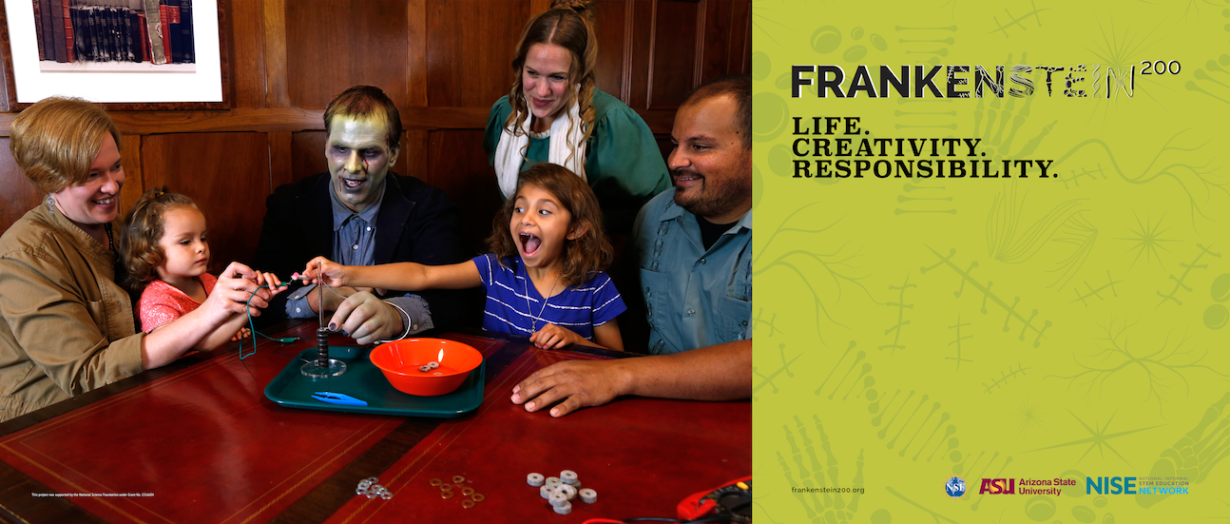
{"x":127,"y":54}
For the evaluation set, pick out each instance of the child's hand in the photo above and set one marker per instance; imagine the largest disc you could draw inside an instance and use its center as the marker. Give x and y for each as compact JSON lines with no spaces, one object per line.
{"x":275,"y":284}
{"x":242,"y":334}
{"x":323,"y":269}
{"x":552,"y":336}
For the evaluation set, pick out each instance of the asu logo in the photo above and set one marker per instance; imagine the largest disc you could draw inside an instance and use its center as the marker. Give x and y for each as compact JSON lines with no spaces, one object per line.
{"x":998,"y":487}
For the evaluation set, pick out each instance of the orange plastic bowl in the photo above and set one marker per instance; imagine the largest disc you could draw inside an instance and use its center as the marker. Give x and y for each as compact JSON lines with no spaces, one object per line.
{"x":400,"y":361}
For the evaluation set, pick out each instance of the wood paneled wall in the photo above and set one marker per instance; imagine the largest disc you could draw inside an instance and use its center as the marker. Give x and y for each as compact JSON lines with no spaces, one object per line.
{"x":443,"y":62}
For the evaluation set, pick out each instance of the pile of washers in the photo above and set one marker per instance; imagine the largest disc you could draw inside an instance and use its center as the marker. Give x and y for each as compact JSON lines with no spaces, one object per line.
{"x":371,"y":490}
{"x":561,"y":490}
{"x":430,"y":366}
{"x":468,"y":496}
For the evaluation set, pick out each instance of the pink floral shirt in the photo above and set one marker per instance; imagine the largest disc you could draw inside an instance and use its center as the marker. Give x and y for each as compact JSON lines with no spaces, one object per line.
{"x":161,"y":302}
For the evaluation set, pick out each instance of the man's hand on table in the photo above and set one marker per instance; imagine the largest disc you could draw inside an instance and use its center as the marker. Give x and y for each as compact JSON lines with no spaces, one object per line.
{"x":720,"y":372}
{"x":575,"y":384}
{"x":366,"y":319}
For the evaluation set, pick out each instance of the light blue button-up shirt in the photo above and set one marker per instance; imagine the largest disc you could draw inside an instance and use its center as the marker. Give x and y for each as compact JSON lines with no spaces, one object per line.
{"x":354,"y":239}
{"x":694,"y":297}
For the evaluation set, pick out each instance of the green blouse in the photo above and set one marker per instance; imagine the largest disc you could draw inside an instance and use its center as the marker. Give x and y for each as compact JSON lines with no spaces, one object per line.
{"x":624,"y":166}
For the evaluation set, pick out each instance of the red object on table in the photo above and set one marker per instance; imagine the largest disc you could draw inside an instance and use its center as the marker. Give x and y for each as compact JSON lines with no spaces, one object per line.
{"x":201,"y":443}
{"x":400,"y":362}
{"x":641,"y":455}
{"x":697,"y":506}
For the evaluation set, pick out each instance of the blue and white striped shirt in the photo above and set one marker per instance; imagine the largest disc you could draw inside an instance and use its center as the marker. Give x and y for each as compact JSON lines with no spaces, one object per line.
{"x":514,"y":304}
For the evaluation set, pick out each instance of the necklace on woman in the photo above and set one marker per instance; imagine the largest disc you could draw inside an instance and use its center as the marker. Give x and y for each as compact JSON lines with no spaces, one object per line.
{"x":546,"y":298}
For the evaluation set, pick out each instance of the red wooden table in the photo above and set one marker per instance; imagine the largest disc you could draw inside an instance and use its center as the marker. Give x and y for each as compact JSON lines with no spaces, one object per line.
{"x":198,"y":441}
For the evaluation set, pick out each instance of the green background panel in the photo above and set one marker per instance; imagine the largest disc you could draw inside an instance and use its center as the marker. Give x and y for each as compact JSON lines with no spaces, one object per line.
{"x":910,"y":330}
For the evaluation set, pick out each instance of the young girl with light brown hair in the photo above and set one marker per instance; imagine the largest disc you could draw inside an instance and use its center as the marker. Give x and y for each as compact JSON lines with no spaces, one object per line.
{"x":545,"y":276}
{"x":165,"y":249}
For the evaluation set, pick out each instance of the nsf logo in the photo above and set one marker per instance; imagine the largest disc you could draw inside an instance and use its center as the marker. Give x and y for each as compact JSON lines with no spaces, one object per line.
{"x":955,"y":487}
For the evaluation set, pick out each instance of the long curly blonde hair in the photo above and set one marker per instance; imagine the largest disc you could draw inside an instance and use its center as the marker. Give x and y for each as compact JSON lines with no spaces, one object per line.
{"x":568,"y":24}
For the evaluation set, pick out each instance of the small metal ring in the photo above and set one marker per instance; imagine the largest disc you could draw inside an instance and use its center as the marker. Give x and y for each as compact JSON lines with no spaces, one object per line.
{"x":436,"y":482}
{"x":446,"y":494}
{"x":446,"y":487}
{"x":458,"y":479}
{"x":467,"y":491}
{"x":467,"y":504}
{"x":478,"y":497}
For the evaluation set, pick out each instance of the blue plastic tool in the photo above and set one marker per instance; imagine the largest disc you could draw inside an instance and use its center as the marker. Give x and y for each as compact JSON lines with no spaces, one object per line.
{"x":338,"y":398}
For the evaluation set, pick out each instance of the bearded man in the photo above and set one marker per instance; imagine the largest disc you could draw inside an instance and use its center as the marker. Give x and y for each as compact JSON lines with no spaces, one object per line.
{"x":694,"y":245}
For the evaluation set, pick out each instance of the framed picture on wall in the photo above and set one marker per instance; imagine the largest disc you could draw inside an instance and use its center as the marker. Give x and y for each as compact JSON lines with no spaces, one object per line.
{"x":127,"y":54}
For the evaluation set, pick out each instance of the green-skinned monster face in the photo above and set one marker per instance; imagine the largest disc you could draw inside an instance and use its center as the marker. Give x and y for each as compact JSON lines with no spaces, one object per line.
{"x":359,"y":157}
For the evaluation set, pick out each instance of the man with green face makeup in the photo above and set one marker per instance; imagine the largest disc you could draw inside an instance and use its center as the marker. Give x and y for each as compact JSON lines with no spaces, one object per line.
{"x":361,"y":214}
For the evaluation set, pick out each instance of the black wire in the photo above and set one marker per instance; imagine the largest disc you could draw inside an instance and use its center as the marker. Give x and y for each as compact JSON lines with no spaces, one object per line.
{"x":711,"y":518}
{"x":702,"y":520}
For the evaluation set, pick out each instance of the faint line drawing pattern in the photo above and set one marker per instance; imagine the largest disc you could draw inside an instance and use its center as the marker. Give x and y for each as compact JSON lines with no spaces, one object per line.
{"x":1029,"y":416}
{"x":836,"y":264}
{"x":1012,"y":313}
{"x":1148,"y":239}
{"x":1098,"y":438}
{"x":934,"y":407}
{"x":1189,"y":176}
{"x":1187,"y":269}
{"x":1121,"y":53}
{"x":1196,"y":453}
{"x":901,"y":322}
{"x":938,"y":518}
{"x":958,"y":343}
{"x":1063,"y":224}
{"x":1096,"y":293}
{"x":1016,"y":21}
{"x":1075,"y":180}
{"x":1003,"y":378}
{"x":1216,"y":316}
{"x":998,"y":114}
{"x":1208,"y":79}
{"x":926,"y":46}
{"x":768,"y":380}
{"x":1163,"y":367}
{"x":772,"y":323}
{"x":923,"y":201}
{"x":831,"y":508}
{"x":859,"y":357}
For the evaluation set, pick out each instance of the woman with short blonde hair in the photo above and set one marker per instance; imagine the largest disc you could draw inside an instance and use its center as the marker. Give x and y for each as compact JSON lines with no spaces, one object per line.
{"x":66,"y":327}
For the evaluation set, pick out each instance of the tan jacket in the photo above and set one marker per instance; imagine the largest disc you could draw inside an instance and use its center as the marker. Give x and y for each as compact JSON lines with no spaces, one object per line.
{"x":66,"y":327}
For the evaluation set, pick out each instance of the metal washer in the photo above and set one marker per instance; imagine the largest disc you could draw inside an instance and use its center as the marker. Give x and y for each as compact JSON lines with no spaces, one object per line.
{"x":535,"y":479}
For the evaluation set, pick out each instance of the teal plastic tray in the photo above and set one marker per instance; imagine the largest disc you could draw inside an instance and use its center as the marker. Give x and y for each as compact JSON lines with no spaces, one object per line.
{"x":364,"y":381}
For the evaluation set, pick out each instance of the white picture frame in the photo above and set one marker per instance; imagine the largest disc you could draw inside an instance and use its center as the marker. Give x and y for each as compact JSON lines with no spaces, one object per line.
{"x":126,"y":84}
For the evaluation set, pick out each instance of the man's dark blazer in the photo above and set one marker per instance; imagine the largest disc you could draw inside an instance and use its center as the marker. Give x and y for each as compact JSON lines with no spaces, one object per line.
{"x":416,"y":223}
